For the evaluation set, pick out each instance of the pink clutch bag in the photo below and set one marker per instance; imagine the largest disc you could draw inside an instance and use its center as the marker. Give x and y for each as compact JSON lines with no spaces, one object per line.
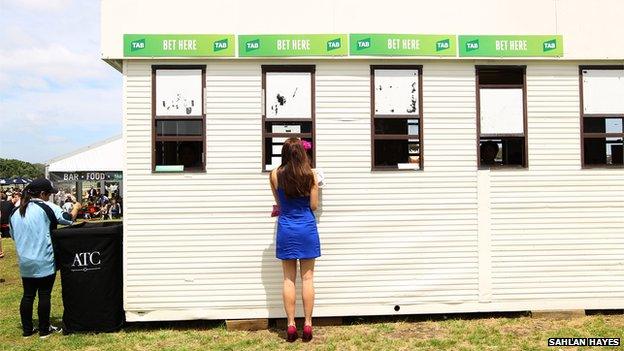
{"x":276,"y":211}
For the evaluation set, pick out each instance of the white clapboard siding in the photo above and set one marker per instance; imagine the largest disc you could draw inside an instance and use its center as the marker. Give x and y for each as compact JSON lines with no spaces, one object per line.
{"x":202,"y":245}
{"x":557,"y":231}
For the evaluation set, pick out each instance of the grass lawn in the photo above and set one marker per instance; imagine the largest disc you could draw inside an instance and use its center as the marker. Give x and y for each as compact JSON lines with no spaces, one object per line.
{"x":458,"y":332}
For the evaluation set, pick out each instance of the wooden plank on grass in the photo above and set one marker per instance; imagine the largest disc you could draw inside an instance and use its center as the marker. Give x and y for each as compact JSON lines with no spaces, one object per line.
{"x":247,"y":324}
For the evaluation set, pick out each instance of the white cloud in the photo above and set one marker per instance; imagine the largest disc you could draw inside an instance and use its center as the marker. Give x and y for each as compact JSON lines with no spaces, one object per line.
{"x":56,"y":94}
{"x":76,"y":108}
{"x":54,"y":62}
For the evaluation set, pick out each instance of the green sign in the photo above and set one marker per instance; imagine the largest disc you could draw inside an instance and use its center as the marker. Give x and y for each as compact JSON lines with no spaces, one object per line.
{"x":284,"y":45}
{"x":510,"y":45}
{"x":402,"y":45}
{"x":178,"y":45}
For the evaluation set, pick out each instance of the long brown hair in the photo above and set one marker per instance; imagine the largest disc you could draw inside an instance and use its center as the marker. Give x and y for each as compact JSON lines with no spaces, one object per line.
{"x":295,"y":175}
{"x":26,"y":196}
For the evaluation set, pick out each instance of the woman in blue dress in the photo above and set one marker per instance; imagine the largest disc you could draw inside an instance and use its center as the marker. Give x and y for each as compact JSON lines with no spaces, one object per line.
{"x":295,"y":190}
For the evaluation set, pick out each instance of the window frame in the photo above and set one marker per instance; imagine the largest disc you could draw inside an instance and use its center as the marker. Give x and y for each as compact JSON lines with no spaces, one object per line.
{"x":155,"y":118}
{"x":419,"y":117}
{"x":268,"y":68}
{"x":583,"y":115}
{"x":525,"y":153}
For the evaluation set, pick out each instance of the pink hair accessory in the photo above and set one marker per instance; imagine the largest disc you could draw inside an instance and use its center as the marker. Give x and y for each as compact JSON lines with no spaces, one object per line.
{"x":306,"y":144}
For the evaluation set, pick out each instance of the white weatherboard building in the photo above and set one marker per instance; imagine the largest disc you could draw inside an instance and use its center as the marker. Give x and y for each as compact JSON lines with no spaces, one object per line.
{"x":474,"y":167}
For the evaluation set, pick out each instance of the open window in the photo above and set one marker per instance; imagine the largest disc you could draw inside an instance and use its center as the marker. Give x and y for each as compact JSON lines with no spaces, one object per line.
{"x":179,"y":123}
{"x":602,"y":116}
{"x":501,"y":116}
{"x":287,"y":111}
{"x":396,"y":117}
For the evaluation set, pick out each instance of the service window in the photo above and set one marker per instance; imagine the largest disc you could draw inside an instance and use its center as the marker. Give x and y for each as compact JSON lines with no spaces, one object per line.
{"x":179,"y":121}
{"x":501,"y":116}
{"x":287,"y":111}
{"x":602,"y":114}
{"x":396,"y":117}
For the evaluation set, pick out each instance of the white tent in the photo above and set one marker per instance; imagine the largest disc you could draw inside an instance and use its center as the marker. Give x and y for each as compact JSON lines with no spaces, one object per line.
{"x":104,"y":156}
{"x":101,"y":162}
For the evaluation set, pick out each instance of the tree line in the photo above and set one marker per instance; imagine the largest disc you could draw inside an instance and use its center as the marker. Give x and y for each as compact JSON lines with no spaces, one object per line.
{"x":10,"y":168}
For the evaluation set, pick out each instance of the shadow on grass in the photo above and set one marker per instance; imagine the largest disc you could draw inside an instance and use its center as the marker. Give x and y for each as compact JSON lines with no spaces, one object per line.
{"x":174,"y":325}
{"x":432,"y":317}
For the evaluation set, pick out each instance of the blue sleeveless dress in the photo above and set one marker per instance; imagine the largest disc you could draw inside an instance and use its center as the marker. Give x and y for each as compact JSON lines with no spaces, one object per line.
{"x":297,"y":236}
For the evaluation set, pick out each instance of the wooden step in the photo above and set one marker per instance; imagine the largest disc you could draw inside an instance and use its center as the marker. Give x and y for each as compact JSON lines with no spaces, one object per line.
{"x":247,"y":324}
{"x":558,"y":314}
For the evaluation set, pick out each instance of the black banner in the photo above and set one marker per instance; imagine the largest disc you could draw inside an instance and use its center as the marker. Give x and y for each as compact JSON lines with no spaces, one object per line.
{"x":89,"y":256}
{"x":84,"y":176}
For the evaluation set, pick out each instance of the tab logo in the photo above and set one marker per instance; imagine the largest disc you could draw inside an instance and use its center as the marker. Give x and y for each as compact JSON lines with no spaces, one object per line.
{"x":220,"y":45}
{"x":333,"y":44}
{"x":252,"y":45}
{"x":472,"y":45}
{"x":364,"y":43}
{"x":550,"y":45}
{"x":137,"y":45}
{"x":443,"y":44}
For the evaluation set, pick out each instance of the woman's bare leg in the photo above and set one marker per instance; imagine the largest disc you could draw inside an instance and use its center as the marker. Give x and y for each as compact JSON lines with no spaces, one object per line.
{"x":288,"y":293}
{"x":307,"y":275}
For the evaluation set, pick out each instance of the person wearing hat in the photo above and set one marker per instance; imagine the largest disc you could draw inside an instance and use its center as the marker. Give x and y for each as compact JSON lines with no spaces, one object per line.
{"x":5,"y":209}
{"x":30,"y":227}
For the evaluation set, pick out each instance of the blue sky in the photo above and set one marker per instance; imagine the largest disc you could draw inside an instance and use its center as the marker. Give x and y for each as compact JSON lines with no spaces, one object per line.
{"x":56,"y":94}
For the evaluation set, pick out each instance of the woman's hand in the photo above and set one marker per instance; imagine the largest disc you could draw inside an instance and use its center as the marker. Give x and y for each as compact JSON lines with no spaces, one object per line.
{"x":314,"y":194}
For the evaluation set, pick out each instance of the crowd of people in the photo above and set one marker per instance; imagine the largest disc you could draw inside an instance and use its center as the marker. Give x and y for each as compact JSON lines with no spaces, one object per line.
{"x":28,"y":215}
{"x":95,"y":204}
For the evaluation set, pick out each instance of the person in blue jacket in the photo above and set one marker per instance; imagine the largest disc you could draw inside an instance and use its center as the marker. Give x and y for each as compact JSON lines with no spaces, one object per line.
{"x":30,"y":227}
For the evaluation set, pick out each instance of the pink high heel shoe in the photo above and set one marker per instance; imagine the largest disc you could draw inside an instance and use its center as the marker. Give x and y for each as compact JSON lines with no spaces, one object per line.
{"x":291,"y":333}
{"x":307,"y":333}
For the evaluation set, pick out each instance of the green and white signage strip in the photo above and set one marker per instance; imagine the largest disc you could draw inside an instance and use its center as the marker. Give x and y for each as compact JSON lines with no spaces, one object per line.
{"x":292,"y":45}
{"x":402,"y":45}
{"x":179,"y":45}
{"x":510,"y":45}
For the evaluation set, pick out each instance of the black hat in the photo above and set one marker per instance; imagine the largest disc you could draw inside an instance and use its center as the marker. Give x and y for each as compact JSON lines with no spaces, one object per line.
{"x":41,"y":184}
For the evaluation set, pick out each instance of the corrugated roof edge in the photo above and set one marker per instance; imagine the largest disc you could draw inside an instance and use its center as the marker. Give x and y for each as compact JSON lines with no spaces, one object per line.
{"x":116,"y":64}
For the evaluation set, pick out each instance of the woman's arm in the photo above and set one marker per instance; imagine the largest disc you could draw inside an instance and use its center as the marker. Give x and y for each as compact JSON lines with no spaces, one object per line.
{"x":273,"y":181}
{"x":314,"y":195}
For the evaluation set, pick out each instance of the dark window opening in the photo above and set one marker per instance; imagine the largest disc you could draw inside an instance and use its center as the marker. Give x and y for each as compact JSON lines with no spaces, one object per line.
{"x":501,"y":152}
{"x":290,"y":127}
{"x":179,"y":128}
{"x":604,"y":151}
{"x":288,"y":111}
{"x":396,"y":117}
{"x":602,"y":116}
{"x":602,"y":141}
{"x":178,"y":118}
{"x":273,"y":153}
{"x":397,"y":126}
{"x":603,"y":125}
{"x":392,"y":153}
{"x":502,"y":116}
{"x":186,"y":153}
{"x":501,"y":75}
